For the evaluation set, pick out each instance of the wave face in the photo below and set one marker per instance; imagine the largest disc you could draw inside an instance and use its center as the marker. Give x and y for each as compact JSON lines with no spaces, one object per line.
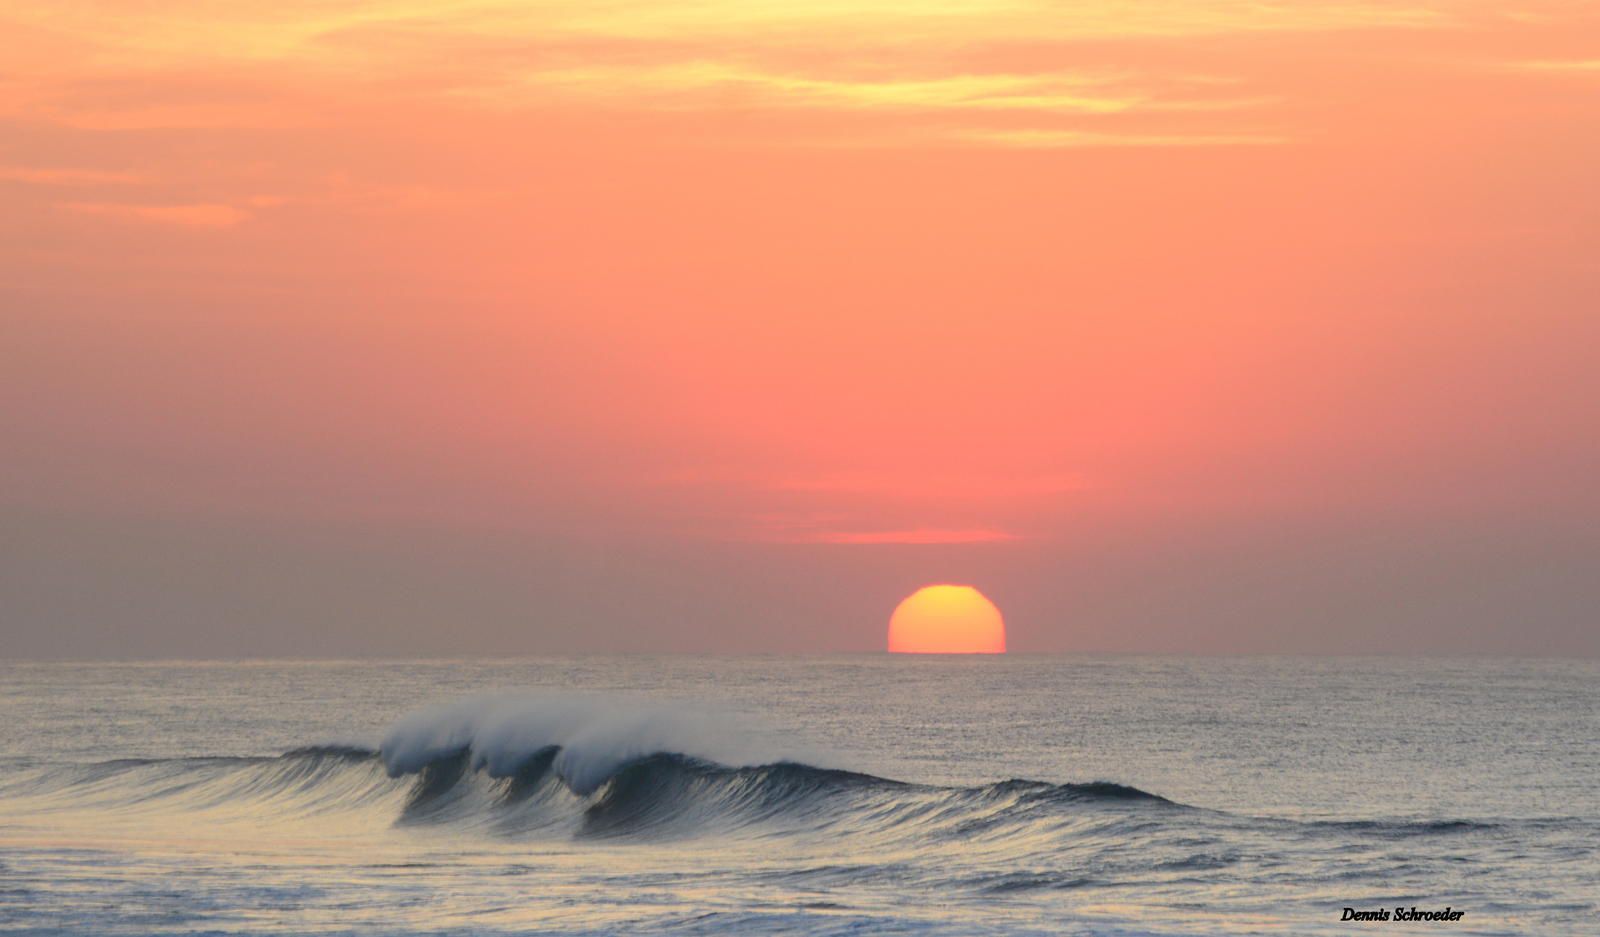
{"x":606,"y":767}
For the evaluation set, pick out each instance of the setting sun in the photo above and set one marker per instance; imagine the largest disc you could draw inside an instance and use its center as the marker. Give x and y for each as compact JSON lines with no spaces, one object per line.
{"x":946,"y":619}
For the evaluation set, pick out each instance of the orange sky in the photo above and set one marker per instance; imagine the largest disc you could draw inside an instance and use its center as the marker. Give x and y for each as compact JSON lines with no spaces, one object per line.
{"x":920,"y":291}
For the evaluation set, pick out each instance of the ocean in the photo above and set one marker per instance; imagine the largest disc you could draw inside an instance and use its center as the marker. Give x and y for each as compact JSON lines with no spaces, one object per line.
{"x":826,"y":795}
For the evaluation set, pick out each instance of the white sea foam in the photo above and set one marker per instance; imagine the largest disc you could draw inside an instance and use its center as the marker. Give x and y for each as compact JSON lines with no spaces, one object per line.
{"x":596,"y":735}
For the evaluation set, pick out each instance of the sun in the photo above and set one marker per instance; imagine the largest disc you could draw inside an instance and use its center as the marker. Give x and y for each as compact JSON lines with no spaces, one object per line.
{"x":946,"y":619}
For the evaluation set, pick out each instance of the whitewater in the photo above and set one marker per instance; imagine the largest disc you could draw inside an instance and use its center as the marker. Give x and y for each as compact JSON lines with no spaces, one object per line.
{"x":680,"y":795}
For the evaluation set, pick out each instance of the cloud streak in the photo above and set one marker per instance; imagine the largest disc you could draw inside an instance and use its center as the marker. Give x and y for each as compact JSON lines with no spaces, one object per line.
{"x":1570,"y":66}
{"x":925,"y":536}
{"x":1037,"y":139}
{"x":66,"y":176}
{"x":199,"y":215}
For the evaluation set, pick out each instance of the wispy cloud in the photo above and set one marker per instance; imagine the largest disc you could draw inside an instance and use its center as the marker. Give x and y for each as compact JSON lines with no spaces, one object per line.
{"x":1029,"y":138}
{"x":696,"y":84}
{"x":1577,"y":66}
{"x":60,"y":176}
{"x":915,"y":536}
{"x":900,"y":58}
{"x":876,"y":507}
{"x":932,"y":486}
{"x":198,"y":215}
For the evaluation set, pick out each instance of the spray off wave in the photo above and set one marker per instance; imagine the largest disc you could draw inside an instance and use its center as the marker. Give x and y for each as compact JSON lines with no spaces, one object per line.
{"x":587,"y":739}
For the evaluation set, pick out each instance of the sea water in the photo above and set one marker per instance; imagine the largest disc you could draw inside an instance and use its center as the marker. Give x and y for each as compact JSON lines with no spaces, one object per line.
{"x":829,"y":795}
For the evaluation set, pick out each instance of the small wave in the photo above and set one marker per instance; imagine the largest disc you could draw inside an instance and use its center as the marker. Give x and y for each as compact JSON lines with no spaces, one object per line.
{"x":1399,"y":828}
{"x":1006,"y":882}
{"x":1092,"y":790}
{"x":345,"y":752}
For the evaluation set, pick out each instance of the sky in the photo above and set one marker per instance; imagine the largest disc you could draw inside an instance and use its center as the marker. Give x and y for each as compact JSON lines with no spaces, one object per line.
{"x":454,"y":327}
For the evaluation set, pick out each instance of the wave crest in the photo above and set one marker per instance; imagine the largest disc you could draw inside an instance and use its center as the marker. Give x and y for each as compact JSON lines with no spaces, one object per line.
{"x":592,"y":737}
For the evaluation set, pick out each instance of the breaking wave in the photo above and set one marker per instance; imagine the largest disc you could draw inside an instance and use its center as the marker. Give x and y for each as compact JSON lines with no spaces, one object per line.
{"x":581,"y":766}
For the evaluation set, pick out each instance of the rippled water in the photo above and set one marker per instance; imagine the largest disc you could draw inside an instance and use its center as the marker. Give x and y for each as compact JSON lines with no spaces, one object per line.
{"x":823,"y":795}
